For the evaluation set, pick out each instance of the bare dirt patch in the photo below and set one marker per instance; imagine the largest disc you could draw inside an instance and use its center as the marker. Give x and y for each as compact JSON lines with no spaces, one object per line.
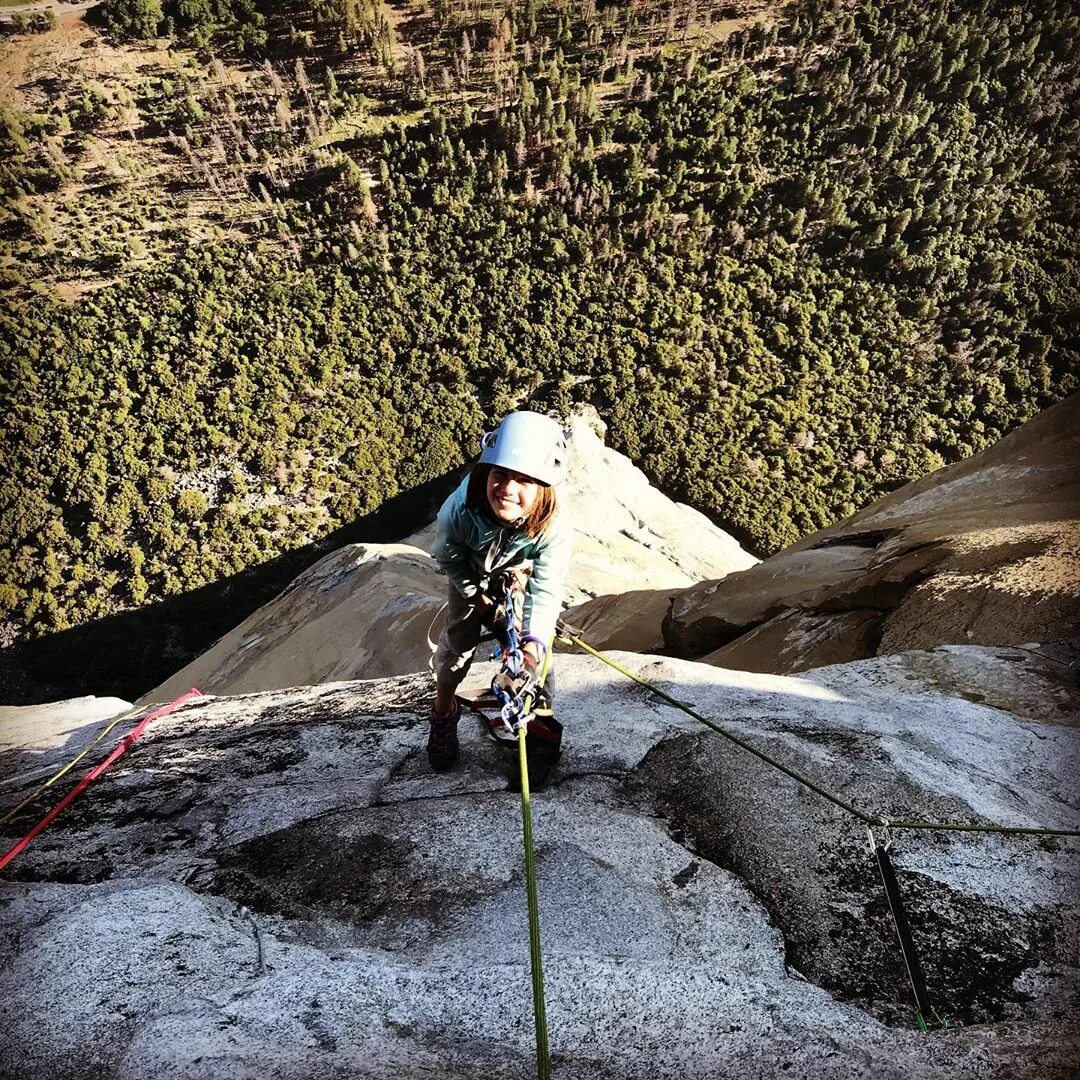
{"x":31,"y":57}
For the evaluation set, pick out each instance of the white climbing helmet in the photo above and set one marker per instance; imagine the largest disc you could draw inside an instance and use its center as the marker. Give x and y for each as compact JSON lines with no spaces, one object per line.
{"x":529,"y":443}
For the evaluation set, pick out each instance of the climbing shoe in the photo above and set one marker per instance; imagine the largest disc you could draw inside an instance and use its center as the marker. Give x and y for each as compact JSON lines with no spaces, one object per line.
{"x":442,"y":744}
{"x":543,"y":744}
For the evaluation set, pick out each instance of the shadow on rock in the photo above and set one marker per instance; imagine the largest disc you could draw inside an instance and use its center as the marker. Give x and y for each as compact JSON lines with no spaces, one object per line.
{"x":811,"y":866}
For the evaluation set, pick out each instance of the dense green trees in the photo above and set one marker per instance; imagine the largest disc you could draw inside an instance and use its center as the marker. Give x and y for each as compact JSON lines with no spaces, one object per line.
{"x":820,"y":259}
{"x":133,"y":18}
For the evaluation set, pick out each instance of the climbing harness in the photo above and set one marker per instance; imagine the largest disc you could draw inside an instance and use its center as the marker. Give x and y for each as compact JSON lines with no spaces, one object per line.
{"x":570,"y":635}
{"x":119,"y":750}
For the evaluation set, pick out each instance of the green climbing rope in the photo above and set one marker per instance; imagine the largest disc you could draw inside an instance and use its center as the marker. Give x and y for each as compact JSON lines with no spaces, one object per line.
{"x":543,"y":1059}
{"x":866,"y":819}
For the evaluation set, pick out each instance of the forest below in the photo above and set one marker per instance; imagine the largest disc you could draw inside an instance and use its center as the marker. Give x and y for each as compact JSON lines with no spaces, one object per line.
{"x":794,"y":262}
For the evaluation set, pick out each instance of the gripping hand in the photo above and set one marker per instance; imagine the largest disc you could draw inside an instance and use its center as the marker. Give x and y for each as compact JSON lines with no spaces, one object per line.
{"x":515,"y":679}
{"x":491,"y":613}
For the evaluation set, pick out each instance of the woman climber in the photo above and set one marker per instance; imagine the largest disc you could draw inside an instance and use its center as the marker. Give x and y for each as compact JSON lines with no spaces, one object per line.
{"x":504,"y":543}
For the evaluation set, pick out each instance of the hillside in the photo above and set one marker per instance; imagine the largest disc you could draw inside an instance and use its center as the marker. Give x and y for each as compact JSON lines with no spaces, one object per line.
{"x":262,"y":285}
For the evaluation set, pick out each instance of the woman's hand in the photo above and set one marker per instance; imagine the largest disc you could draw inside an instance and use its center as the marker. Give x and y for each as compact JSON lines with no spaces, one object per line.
{"x":489,"y":611}
{"x":483,"y":605}
{"x":531,"y":652}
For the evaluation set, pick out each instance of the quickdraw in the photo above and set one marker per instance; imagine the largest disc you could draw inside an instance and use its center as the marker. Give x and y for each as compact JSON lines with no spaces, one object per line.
{"x":515,"y":686}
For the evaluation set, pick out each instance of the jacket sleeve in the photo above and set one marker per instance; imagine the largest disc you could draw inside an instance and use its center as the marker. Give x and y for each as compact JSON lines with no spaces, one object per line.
{"x":546,"y":587}
{"x":452,"y":551}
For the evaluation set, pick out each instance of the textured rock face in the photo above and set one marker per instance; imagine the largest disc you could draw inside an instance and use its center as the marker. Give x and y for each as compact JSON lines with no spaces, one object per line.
{"x":1033,"y":682}
{"x":30,"y":731}
{"x":983,"y":552}
{"x":694,"y":903}
{"x":799,"y":639}
{"x":41,"y":726}
{"x":628,"y":534}
{"x":365,"y":610}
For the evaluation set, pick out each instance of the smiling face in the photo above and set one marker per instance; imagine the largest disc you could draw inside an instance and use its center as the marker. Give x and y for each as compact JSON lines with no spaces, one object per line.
{"x":511,"y":495}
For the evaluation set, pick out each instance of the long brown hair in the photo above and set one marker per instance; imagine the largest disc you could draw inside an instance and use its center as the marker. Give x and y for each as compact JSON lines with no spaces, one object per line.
{"x":538,"y":519}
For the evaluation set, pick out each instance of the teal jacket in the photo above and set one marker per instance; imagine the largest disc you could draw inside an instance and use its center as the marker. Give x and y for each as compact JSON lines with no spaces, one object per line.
{"x":472,"y":548}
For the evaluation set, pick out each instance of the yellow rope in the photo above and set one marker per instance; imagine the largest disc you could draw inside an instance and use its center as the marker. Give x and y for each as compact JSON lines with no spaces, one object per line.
{"x":75,"y":760}
{"x":543,"y":1059}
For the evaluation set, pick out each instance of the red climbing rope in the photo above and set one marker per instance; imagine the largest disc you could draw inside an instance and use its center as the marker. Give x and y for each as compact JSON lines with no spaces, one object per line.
{"x":118,"y":751}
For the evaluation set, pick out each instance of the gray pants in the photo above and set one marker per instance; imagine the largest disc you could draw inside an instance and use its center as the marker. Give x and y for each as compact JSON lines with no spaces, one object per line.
{"x":462,"y":633}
